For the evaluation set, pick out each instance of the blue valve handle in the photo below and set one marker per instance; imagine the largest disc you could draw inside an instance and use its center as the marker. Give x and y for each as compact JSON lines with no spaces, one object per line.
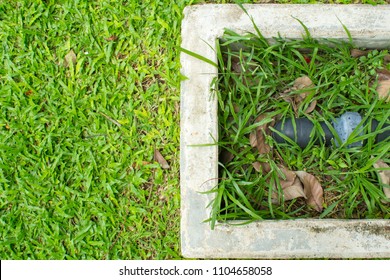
{"x":344,"y":126}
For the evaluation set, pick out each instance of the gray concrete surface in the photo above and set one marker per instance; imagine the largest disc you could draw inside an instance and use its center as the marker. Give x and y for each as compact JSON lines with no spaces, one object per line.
{"x":302,"y":238}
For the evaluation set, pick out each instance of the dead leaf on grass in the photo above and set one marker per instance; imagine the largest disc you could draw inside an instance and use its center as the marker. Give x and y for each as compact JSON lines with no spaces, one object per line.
{"x":291,"y":185}
{"x":257,"y":138}
{"x":262,"y":167}
{"x":294,"y":191}
{"x":384,"y":176}
{"x":311,"y":107}
{"x":289,"y":177}
{"x":383,"y":90}
{"x":257,"y":166}
{"x":383,"y":74}
{"x":300,"y":84}
{"x":358,"y":53}
{"x":160,"y":159}
{"x":312,"y":189}
{"x":253,"y":139}
{"x":70,"y":58}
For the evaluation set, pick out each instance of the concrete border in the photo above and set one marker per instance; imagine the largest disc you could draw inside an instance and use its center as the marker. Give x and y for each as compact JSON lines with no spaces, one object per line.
{"x":305,"y":238}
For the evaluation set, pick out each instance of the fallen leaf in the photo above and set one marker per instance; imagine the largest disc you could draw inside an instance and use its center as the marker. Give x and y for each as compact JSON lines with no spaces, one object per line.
{"x":265,"y":167}
{"x":289,"y":177}
{"x":262,"y":167}
{"x":300,"y":84}
{"x":257,"y":166}
{"x":291,"y":186}
{"x":384,"y":176}
{"x":70,"y":58}
{"x":294,"y":191}
{"x":29,"y":92}
{"x":160,"y":159}
{"x":311,"y":107}
{"x":358,"y":53}
{"x":296,"y":100}
{"x":286,"y":95}
{"x":257,"y":138}
{"x":312,"y":189}
{"x":383,"y":74}
{"x":383,"y":90}
{"x":253,"y":139}
{"x":289,"y":98}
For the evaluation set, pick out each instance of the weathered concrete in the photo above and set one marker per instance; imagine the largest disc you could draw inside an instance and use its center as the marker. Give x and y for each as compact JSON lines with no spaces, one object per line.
{"x":305,"y":238}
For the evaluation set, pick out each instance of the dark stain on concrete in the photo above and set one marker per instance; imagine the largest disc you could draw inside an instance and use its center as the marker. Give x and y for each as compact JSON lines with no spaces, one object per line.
{"x":364,"y":228}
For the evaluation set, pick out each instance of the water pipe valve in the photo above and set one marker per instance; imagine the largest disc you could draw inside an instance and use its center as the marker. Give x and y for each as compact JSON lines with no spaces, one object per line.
{"x":344,"y":126}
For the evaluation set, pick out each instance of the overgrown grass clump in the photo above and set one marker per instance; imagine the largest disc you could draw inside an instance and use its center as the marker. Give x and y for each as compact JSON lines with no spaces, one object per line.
{"x":253,"y":75}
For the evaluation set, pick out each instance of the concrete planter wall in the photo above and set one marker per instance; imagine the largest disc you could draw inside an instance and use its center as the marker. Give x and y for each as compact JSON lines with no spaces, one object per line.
{"x":302,"y":238}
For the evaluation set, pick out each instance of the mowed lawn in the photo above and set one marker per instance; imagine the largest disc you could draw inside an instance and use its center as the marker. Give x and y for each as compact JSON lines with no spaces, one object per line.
{"x":89,"y":90}
{"x":78,"y":132}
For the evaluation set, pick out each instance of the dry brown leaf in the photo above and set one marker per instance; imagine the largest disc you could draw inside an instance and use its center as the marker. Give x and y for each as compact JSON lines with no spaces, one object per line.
{"x":312,"y":189}
{"x":294,"y":191}
{"x":383,"y":90}
{"x":302,"y":83}
{"x":384,"y":176}
{"x":291,"y":186}
{"x":265,"y":167}
{"x":262,"y":167}
{"x":257,"y":166}
{"x":311,"y":107}
{"x":289,"y":98}
{"x":257,"y":138}
{"x":286,"y":95}
{"x":160,"y":159}
{"x":290,"y":177}
{"x":253,"y":139}
{"x":358,"y":53}
{"x":383,"y":74}
{"x":70,"y":58}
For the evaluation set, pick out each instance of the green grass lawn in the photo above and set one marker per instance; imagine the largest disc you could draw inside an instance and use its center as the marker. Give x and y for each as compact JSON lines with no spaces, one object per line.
{"x":78,"y":133}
